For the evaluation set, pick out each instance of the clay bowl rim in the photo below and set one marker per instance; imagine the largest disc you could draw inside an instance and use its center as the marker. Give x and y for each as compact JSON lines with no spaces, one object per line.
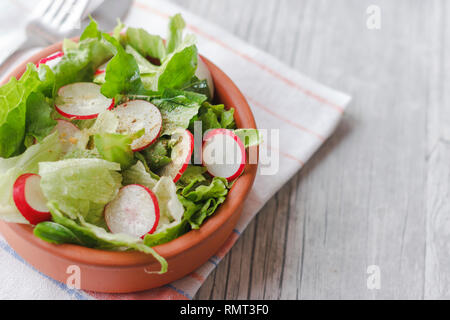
{"x":191,"y":239}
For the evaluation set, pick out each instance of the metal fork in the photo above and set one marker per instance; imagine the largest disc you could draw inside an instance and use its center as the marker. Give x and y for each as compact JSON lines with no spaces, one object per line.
{"x":50,"y":22}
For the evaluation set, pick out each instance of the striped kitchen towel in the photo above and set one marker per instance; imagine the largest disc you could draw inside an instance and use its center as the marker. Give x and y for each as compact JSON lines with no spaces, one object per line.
{"x":297,"y":124}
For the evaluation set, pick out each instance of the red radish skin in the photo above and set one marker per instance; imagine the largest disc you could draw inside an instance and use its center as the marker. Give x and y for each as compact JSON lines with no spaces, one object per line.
{"x":155,"y":205}
{"x":50,"y":58}
{"x":172,"y":169}
{"x":98,"y":72}
{"x":32,"y":215}
{"x":188,"y":159}
{"x":80,"y":89}
{"x":137,"y":115}
{"x":210,"y":134}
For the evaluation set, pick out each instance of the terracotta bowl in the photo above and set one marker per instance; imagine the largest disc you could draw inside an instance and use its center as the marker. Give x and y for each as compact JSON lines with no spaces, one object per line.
{"x":108,"y":271}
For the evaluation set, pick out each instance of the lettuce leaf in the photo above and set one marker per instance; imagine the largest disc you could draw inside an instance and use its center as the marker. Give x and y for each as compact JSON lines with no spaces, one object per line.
{"x":175,"y":37}
{"x":158,"y":154}
{"x":116,"y":147}
{"x":146,"y":44}
{"x":201,"y":198}
{"x":171,"y":209}
{"x":13,"y":109}
{"x":122,"y":73}
{"x":28,"y":162}
{"x":179,"y":67}
{"x":93,"y":236}
{"x":39,"y":121}
{"x":81,"y":186}
{"x":178,"y":108}
{"x":138,"y":174}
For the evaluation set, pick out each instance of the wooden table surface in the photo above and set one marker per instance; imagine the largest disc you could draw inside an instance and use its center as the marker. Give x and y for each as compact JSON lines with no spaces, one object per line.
{"x":378,"y":192}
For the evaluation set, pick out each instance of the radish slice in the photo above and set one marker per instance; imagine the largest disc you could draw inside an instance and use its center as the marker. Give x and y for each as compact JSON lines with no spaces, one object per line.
{"x":68,"y":134}
{"x":203,"y":73}
{"x":29,"y":199}
{"x":101,"y":69}
{"x":52,"y":60}
{"x":100,"y":74}
{"x":181,"y":154}
{"x":82,"y":100}
{"x":134,"y":211}
{"x":223,"y":154}
{"x":137,"y":115}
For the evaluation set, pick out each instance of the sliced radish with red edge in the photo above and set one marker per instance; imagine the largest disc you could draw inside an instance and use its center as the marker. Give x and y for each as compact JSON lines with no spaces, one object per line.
{"x":68,"y":134}
{"x":29,"y":199}
{"x":82,"y":100}
{"x":101,"y":69}
{"x":52,"y":60}
{"x":223,"y":154}
{"x":181,"y":154}
{"x":134,"y":211}
{"x":137,"y":115}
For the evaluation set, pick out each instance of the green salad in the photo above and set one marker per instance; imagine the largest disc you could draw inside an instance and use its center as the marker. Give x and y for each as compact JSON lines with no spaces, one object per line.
{"x":97,"y":141}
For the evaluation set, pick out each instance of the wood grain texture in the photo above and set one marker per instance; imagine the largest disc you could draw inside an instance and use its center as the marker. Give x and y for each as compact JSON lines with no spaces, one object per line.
{"x":378,"y":191}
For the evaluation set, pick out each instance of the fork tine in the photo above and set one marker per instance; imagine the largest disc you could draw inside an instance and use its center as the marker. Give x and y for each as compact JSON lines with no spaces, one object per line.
{"x":74,"y":16}
{"x":63,"y":12}
{"x":52,"y":11}
{"x":41,"y":7}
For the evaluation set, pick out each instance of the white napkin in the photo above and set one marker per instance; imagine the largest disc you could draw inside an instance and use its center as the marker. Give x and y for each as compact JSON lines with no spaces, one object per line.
{"x":303,"y":112}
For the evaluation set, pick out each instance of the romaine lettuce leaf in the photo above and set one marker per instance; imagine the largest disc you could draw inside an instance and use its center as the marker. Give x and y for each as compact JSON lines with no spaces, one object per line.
{"x":13,"y":109}
{"x":122,"y":73}
{"x":39,"y":121}
{"x":80,"y":61}
{"x":175,"y":36}
{"x":146,"y":44}
{"x":179,"y":67}
{"x":145,"y":67}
